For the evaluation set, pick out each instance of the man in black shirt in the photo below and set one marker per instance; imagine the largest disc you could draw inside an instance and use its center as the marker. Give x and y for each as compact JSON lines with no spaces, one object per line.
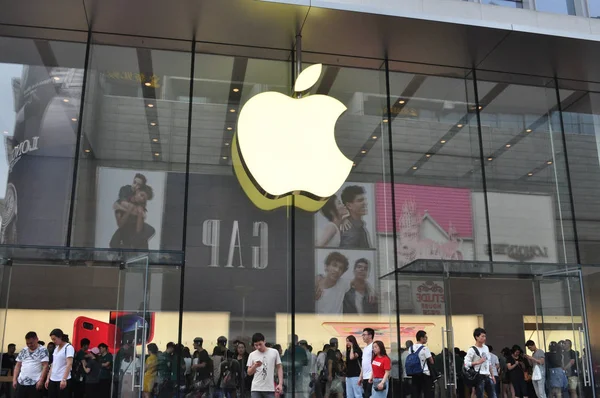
{"x":334,"y":385}
{"x":201,"y":362}
{"x":357,"y":236}
{"x":8,"y":363}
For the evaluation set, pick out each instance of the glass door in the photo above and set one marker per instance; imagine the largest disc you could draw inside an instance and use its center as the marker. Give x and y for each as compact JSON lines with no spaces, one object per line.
{"x":131,"y":323}
{"x":561,"y":326}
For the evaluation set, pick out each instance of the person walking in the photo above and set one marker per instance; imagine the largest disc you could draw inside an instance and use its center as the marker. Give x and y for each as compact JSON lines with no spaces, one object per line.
{"x":368,"y":336}
{"x":31,"y":368}
{"x":478,"y":357}
{"x":262,"y":363}
{"x":58,"y":381}
{"x":353,"y":361}
{"x":381,"y":366}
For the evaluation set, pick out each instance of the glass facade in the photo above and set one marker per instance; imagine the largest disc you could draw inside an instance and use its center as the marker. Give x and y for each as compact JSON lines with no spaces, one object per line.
{"x":471,"y":202}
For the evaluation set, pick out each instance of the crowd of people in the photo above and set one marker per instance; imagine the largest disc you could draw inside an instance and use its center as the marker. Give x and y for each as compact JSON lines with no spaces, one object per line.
{"x":264,"y":370}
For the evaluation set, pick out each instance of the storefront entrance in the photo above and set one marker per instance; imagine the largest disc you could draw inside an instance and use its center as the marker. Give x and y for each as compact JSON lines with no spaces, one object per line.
{"x":514,"y":302}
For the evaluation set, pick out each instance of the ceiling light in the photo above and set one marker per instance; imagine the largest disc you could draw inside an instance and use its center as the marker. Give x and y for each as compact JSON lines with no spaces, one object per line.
{"x":56,"y":78}
{"x":227,"y":144}
{"x":73,"y":119}
{"x":428,"y":155}
{"x":508,"y":145}
{"x":229,"y":128}
{"x":65,"y":100}
{"x":385,"y":120}
{"x":363,"y":151}
{"x":490,"y":158}
{"x":528,"y":130}
{"x":87,"y":150}
{"x":150,"y":105}
{"x":374,"y":137}
{"x":153,"y":124}
{"x":480,"y":107}
{"x":529,"y":174}
{"x":147,"y":84}
{"x":401,"y":102}
{"x":232,"y":110}
{"x":459,"y":125}
{"x":414,"y":167}
{"x":549,"y":162}
{"x":235,"y":90}
{"x":224,"y":157}
{"x":154,"y":139}
{"x":443,"y":141}
{"x":156,"y":154}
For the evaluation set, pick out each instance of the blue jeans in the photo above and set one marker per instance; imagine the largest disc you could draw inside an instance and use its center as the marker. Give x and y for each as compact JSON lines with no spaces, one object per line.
{"x":353,"y":390}
{"x":381,"y":394}
{"x":485,"y":384}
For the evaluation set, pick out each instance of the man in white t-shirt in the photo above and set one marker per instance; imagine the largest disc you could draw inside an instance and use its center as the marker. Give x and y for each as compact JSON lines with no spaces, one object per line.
{"x":366,"y":372}
{"x":479,"y":357}
{"x":538,"y":360}
{"x":422,"y":383}
{"x":31,"y":368}
{"x":331,"y":287}
{"x":262,"y":363}
{"x":495,"y":368}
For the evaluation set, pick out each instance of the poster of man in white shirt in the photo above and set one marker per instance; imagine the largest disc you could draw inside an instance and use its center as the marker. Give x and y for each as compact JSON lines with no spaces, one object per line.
{"x":345,"y":282}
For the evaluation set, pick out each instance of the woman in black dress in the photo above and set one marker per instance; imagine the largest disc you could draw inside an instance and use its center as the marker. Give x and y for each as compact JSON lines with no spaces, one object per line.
{"x":516,"y":372}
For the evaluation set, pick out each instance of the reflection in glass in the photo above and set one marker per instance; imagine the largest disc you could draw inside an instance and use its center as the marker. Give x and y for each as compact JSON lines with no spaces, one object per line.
{"x":566,"y":7}
{"x":504,"y":3}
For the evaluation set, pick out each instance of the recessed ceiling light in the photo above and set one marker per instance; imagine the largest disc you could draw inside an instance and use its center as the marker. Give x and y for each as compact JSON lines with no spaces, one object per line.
{"x":147,"y":84}
{"x":428,"y":155}
{"x":363,"y":151}
{"x":224,"y":157}
{"x":490,"y":158}
{"x":385,"y":120}
{"x":227,"y":144}
{"x":374,"y":137}
{"x":528,"y":130}
{"x":402,"y":102}
{"x":232,"y":110}
{"x":154,"y":139}
{"x":235,"y":90}
{"x":443,"y":141}
{"x":414,"y":167}
{"x":150,"y":105}
{"x":529,"y":174}
{"x":459,"y":125}
{"x":549,"y":162}
{"x":65,"y":100}
{"x":508,"y":145}
{"x":156,"y":154}
{"x":73,"y":119}
{"x":152,"y":123}
{"x":480,"y":107}
{"x":87,"y":150}
{"x":56,"y":78}
{"x":229,"y":128}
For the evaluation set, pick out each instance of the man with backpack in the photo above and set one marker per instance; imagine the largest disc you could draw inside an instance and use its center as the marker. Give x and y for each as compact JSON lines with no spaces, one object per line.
{"x":417,"y":365}
{"x":477,"y":370}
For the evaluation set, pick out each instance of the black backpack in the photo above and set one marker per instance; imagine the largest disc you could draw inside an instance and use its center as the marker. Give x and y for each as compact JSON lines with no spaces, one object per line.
{"x":229,"y":375}
{"x":470,"y":375}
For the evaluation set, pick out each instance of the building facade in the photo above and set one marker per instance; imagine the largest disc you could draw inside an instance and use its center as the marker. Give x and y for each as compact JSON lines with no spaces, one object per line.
{"x":473,"y":132}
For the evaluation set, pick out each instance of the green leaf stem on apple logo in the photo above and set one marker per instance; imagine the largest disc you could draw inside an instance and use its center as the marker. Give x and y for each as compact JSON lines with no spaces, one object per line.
{"x":308,"y":78}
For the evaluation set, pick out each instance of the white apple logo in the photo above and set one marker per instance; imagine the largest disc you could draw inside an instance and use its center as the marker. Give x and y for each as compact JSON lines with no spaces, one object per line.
{"x":288,"y":146}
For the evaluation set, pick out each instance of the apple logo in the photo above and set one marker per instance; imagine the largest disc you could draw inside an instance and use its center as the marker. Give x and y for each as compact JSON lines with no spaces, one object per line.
{"x":285,"y":147}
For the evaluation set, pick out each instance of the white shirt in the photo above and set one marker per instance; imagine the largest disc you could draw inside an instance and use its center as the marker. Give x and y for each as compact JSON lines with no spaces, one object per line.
{"x":424,"y":356}
{"x":264,"y":378}
{"x":332,"y":299}
{"x":494,"y":363}
{"x":367,"y":368}
{"x":335,"y":239}
{"x":358,"y":301}
{"x":59,"y":362}
{"x":471,"y":357}
{"x":31,"y":365}
{"x":130,"y":367}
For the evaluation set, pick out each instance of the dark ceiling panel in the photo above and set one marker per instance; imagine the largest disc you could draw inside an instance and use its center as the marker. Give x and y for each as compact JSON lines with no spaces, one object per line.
{"x":62,"y":14}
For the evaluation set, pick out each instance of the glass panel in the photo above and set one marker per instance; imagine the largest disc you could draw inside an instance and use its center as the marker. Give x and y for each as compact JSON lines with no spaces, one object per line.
{"x":40,"y":90}
{"x":238,"y":258}
{"x":133,"y":150}
{"x":594,"y":8}
{"x":556,"y":6}
{"x":528,"y":193}
{"x":504,"y":3}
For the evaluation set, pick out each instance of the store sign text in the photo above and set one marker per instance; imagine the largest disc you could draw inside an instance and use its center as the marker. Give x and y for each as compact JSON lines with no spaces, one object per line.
{"x":430,"y":297}
{"x":519,"y":252}
{"x":211,"y":237}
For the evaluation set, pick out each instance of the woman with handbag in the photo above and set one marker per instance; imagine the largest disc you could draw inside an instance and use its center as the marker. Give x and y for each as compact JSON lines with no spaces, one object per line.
{"x":382,"y":365}
{"x":516,"y":370}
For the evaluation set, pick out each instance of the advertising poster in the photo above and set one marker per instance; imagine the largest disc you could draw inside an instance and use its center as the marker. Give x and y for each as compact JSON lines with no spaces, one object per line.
{"x":433,"y":222}
{"x":130,"y":208}
{"x":346,"y":268}
{"x":38,"y":134}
